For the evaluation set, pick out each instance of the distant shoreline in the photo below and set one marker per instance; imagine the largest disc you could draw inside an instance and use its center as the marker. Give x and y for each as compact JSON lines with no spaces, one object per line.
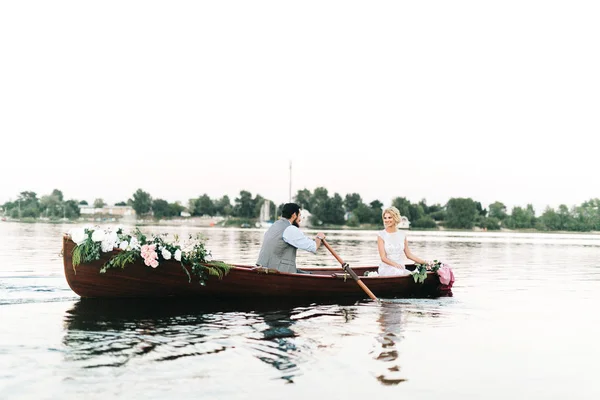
{"x":167,"y":223}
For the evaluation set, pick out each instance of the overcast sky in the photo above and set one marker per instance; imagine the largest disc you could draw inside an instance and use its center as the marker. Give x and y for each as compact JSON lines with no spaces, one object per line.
{"x":421,"y":99}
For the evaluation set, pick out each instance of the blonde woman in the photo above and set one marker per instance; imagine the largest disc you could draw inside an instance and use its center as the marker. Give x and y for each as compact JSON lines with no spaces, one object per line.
{"x":393,"y":246}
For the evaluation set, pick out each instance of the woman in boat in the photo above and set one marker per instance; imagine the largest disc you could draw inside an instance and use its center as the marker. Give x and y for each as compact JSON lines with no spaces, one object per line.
{"x":393,"y":246}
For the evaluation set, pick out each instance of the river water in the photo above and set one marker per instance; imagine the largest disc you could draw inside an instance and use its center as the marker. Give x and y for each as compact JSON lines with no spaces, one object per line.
{"x":522,"y":323}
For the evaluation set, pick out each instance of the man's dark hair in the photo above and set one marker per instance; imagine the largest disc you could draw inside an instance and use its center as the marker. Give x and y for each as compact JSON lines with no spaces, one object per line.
{"x":288,"y":209}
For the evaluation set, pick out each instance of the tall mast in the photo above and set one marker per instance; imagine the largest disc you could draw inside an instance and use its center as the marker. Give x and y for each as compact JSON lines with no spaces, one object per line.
{"x":290,"y":193}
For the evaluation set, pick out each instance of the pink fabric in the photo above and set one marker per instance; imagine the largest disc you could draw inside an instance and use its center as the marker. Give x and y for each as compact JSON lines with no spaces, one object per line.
{"x":446,"y":275}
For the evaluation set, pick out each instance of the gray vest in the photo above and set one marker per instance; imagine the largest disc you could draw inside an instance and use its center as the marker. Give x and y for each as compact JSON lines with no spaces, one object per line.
{"x":275,"y":253}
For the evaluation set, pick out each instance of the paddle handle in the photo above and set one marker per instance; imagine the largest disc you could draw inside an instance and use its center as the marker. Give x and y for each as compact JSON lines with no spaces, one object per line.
{"x":347,"y":268}
{"x":332,"y":251}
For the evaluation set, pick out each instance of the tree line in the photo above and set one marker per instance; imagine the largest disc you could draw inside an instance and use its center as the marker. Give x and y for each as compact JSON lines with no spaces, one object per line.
{"x":329,"y":210}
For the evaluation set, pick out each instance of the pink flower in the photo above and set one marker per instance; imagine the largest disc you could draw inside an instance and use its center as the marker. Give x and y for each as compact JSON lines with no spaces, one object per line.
{"x":446,"y":275}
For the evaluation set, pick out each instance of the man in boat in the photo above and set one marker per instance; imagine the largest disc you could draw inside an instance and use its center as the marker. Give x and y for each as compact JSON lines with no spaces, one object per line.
{"x":283,"y":238}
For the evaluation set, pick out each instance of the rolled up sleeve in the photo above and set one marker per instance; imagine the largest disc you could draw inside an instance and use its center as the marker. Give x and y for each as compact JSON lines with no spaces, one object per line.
{"x":294,"y":236}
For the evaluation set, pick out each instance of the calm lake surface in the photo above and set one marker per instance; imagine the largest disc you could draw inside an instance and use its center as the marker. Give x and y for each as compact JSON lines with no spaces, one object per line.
{"x":523,"y":323}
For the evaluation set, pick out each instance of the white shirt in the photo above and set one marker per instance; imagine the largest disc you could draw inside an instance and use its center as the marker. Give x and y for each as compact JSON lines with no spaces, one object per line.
{"x":294,"y":236}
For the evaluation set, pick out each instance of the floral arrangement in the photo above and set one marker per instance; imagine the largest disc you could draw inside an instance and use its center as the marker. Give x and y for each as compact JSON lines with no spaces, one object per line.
{"x":442,"y":269}
{"x":127,"y":248}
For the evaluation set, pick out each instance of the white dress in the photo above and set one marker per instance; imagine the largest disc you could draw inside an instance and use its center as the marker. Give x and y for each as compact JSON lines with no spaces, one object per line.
{"x":394,"y":250}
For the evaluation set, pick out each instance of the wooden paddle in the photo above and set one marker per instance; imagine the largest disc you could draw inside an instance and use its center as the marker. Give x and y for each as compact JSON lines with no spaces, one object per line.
{"x":349,"y":271}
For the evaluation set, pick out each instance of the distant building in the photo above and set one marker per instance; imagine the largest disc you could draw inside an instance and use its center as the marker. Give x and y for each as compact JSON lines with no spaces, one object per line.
{"x":306,"y":222}
{"x":120,"y":211}
{"x":404,"y":223}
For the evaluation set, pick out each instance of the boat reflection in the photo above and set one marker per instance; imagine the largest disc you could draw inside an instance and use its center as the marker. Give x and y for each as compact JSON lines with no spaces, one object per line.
{"x":102,"y":333}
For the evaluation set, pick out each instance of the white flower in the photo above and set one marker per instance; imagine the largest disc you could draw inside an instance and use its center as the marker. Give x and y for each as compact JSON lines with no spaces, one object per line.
{"x":124,"y":245}
{"x":98,"y":235}
{"x":112,"y":237}
{"x":178,"y":255}
{"x":166,"y":254}
{"x":78,"y":235}
{"x":134,"y":244}
{"x":107,"y":246}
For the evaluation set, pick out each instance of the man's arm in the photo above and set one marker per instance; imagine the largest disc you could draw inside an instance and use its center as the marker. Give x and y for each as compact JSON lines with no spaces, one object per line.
{"x":294,"y":236}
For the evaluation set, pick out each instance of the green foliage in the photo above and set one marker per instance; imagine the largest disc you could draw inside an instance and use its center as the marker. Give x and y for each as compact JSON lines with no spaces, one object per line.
{"x":461,"y":213}
{"x":245,"y":206}
{"x":497,"y":210}
{"x":203,"y":205}
{"x":521,"y":218}
{"x":86,"y":252}
{"x":490,"y":223}
{"x":142,"y":202}
{"x":120,"y":259}
{"x":362,"y":214}
{"x":353,"y":221}
{"x":420,"y":272}
{"x":352,"y":201}
{"x":99,"y":203}
{"x":425,"y":222}
{"x":223,"y":206}
{"x":376,"y":211}
{"x":160,"y":208}
{"x":303,"y":199}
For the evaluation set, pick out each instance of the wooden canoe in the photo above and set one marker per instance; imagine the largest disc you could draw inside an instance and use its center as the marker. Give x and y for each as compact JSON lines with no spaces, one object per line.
{"x":242,"y":282}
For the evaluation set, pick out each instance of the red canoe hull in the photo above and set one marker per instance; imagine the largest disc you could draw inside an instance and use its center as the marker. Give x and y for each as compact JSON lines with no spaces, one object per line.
{"x":242,"y":282}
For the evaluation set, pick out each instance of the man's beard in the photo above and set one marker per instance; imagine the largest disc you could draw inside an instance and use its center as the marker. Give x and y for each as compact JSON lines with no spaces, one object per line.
{"x":295,"y":223}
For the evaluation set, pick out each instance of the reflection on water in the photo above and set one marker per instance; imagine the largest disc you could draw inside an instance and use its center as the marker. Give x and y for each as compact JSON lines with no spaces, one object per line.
{"x":275,"y":345}
{"x":390,"y":321}
{"x":116,"y":333}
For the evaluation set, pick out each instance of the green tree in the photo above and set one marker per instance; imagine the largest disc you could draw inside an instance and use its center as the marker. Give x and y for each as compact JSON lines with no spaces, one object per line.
{"x":415,"y":212}
{"x":83,"y":203}
{"x":141,"y":202}
{"x":28,"y":205}
{"x":223,"y":206}
{"x":425,"y":222}
{"x":71,"y":209}
{"x":352,"y":201}
{"x":490,"y":223}
{"x":521,"y":218}
{"x":51,"y":206}
{"x":334,"y":210}
{"x":302,"y":198}
{"x":376,"y":211}
{"x":498,"y":210}
{"x":160,"y":208}
{"x":318,"y":204}
{"x":461,"y":213}
{"x":203,"y":205}
{"x":99,"y":203}
{"x":175,"y":209}
{"x":121,"y":203}
{"x":58,"y":194}
{"x":363,"y":214}
{"x":244,"y":205}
